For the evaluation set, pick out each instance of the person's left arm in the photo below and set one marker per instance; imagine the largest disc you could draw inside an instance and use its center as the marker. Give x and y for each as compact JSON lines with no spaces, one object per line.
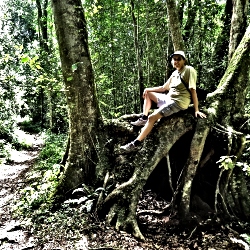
{"x":195,"y":102}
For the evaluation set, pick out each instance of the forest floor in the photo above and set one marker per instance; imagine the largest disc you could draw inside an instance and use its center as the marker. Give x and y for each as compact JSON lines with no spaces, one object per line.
{"x":69,"y":228}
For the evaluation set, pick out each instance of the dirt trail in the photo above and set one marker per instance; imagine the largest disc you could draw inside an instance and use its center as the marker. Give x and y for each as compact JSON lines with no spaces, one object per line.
{"x":12,"y":236}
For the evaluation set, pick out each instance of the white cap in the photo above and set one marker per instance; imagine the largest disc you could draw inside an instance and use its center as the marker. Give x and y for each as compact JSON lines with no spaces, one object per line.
{"x":179,"y":52}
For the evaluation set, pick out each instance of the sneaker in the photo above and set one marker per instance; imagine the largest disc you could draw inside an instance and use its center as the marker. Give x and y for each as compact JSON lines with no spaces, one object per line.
{"x":139,"y":122}
{"x":130,"y":147}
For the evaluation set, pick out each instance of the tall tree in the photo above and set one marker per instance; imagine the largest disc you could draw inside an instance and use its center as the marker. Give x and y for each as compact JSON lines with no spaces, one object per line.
{"x":43,"y":38}
{"x":175,"y":26}
{"x":137,"y":50}
{"x":220,"y":52}
{"x":238,"y":24}
{"x":84,"y":114}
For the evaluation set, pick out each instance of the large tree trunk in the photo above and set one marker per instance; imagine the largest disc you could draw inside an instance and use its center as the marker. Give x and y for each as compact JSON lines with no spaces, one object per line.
{"x":220,"y":53}
{"x":121,"y":204}
{"x":175,"y":26}
{"x":80,"y":93}
{"x":238,"y":24}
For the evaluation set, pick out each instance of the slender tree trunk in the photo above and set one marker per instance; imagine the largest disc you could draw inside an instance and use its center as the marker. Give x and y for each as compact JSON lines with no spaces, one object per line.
{"x":43,"y":23}
{"x":192,"y":13}
{"x":43,"y":38}
{"x":137,"y":50}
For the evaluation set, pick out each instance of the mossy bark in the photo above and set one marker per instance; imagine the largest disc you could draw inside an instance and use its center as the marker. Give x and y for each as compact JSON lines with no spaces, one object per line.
{"x":84,"y":114}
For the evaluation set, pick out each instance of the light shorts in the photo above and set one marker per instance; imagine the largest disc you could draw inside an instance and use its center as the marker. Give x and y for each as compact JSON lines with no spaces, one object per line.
{"x":167,"y":107}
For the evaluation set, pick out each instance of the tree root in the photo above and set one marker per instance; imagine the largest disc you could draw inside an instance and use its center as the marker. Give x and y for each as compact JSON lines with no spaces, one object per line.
{"x":122,"y":208}
{"x":196,"y":149}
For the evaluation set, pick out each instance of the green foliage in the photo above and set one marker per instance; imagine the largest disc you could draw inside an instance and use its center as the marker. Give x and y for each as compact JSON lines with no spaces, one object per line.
{"x":29,"y":126}
{"x":5,"y":149}
{"x":244,"y":164}
{"x":226,"y":162}
{"x":44,"y":178}
{"x":229,"y":162}
{"x":17,"y":33}
{"x":111,"y":42}
{"x":53,"y":150}
{"x":87,"y":197}
{"x":31,"y":81}
{"x":246,"y":237}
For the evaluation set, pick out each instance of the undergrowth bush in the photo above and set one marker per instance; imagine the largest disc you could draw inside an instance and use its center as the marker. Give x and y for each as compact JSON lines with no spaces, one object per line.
{"x":29,"y":126}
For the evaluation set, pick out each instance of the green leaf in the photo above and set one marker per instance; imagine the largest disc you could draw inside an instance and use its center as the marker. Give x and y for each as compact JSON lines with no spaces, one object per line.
{"x":38,"y":66}
{"x":70,"y":78}
{"x":74,"y":67}
{"x":25,"y":59}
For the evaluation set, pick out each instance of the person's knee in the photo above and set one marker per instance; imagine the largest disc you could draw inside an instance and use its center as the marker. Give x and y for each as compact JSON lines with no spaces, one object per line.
{"x":153,"y":118}
{"x":152,"y":96}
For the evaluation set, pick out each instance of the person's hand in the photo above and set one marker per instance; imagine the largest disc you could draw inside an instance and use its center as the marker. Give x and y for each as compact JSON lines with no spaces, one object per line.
{"x":200,"y":114}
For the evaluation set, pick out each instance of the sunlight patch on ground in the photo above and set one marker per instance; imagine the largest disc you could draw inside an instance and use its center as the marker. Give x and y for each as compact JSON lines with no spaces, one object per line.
{"x":11,"y":172}
{"x":20,"y":156}
{"x":25,"y":138}
{"x":13,"y":233}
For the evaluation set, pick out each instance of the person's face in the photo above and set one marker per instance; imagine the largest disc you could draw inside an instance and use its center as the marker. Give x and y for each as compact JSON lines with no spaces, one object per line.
{"x":178,"y":62}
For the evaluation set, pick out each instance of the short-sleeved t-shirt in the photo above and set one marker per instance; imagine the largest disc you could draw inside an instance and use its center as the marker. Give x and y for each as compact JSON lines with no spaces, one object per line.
{"x":177,"y":90}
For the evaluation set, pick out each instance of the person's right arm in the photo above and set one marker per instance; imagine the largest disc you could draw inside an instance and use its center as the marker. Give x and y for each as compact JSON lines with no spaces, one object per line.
{"x":159,"y":89}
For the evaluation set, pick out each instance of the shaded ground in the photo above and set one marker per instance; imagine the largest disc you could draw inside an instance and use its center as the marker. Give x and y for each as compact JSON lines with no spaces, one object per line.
{"x":12,"y":179}
{"x":70,"y":227}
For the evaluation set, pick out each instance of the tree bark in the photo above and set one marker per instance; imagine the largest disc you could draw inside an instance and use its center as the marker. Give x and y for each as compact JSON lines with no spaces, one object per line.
{"x":175,"y":27}
{"x":238,"y":24}
{"x":121,"y":204}
{"x":84,"y":114}
{"x":220,"y":53}
{"x":196,"y":150}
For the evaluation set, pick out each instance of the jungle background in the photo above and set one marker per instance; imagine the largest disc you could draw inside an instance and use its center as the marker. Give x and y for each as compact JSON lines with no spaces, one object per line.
{"x":130,"y":44}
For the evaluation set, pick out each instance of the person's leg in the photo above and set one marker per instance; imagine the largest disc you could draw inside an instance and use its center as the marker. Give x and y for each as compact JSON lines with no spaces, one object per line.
{"x":164,"y":111}
{"x":135,"y":145}
{"x":151,"y":96}
{"x":148,"y":100}
{"x":149,"y":125}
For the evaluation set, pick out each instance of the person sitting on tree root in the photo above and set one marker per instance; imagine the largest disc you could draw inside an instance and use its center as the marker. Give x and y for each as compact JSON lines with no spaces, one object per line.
{"x":177,"y":98}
